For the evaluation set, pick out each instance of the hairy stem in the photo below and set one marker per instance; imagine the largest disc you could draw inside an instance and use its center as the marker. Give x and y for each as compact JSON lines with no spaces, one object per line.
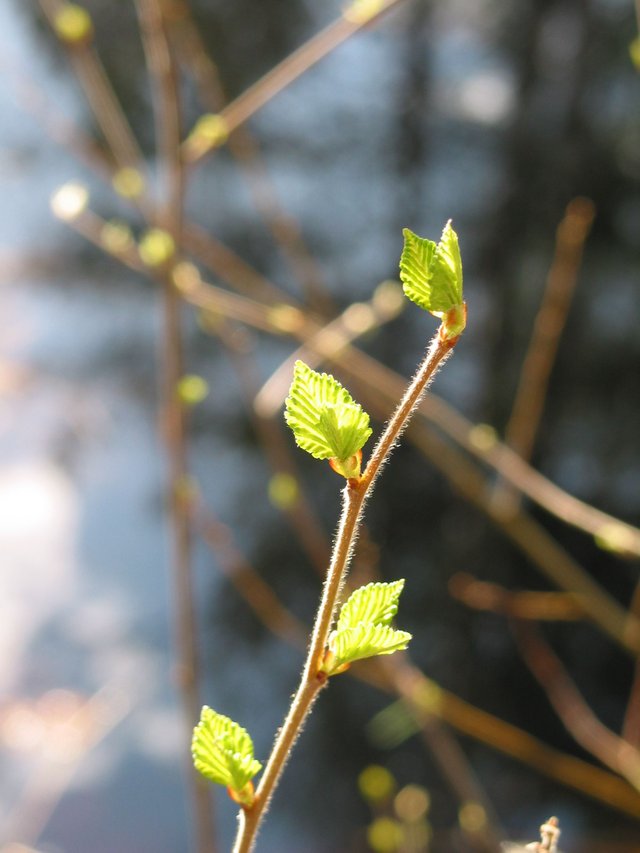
{"x":313,"y":679}
{"x":437,"y":353}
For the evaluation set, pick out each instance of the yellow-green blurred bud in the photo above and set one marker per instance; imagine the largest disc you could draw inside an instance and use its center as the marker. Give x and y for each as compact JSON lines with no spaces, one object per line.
{"x":385,"y":835}
{"x":156,"y":247}
{"x":376,"y":783}
{"x":192,"y":389}
{"x":128,"y":182}
{"x":616,"y":538}
{"x":283,"y":490}
{"x":472,"y":817}
{"x":361,"y":11}
{"x":210,"y":131}
{"x":483,"y":437}
{"x":73,"y":24}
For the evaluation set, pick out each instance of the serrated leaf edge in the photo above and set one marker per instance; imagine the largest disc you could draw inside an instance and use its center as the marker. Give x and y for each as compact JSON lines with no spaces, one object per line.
{"x":418,"y":266}
{"x":222,"y":751}
{"x":365,"y":641}
{"x":376,"y":603}
{"x":314,"y":400}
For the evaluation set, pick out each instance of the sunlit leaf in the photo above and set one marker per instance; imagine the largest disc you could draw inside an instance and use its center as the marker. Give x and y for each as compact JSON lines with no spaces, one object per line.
{"x":324,"y":418}
{"x":375,"y":603}
{"x":365,"y":641}
{"x":223,"y":751}
{"x":432,"y":274}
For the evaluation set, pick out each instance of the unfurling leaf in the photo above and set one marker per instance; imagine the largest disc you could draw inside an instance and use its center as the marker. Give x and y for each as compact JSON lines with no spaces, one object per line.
{"x":375,"y":603}
{"x":325,"y":420}
{"x":364,"y":641}
{"x":223,"y":752}
{"x":363,"y":627}
{"x":432,"y":277}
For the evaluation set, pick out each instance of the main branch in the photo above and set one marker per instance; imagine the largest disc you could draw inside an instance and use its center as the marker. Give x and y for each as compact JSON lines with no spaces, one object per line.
{"x":313,"y":679}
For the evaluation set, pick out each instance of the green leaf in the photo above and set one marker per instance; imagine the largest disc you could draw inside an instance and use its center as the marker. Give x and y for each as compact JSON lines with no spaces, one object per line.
{"x":223,"y":751}
{"x":365,"y":641}
{"x":325,"y":420}
{"x":432,"y":274}
{"x":375,"y":603}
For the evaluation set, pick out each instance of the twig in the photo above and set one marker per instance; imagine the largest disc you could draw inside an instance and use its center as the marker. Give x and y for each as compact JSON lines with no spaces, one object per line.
{"x":293,"y":66}
{"x":631,"y":722}
{"x":425,"y":700}
{"x":329,"y":340}
{"x":166,"y":98}
{"x":545,"y":338}
{"x":298,"y":512}
{"x":540,"y":606}
{"x":311,"y":684}
{"x":89,"y":723}
{"x":549,"y":837}
{"x":65,"y":133}
{"x":424,"y":697}
{"x":313,"y":679}
{"x":378,"y":383}
{"x":543,"y":550}
{"x":230,"y":267}
{"x":449,"y":756}
{"x":530,"y":536}
{"x":570,"y":706}
{"x":246,"y":151}
{"x":254,"y":590}
{"x":622,"y":537}
{"x":126,"y":152}
{"x":107,"y":110}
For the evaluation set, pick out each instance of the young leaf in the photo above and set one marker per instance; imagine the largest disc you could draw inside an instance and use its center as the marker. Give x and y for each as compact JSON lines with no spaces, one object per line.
{"x":364,"y":641}
{"x":375,"y":603}
{"x":432,"y":274}
{"x":223,"y":751}
{"x":324,"y":418}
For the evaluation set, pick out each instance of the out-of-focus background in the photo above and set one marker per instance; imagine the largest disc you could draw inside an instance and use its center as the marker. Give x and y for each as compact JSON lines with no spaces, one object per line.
{"x":511,"y":118}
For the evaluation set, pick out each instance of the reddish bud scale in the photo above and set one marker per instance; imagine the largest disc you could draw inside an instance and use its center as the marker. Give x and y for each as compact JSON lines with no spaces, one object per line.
{"x":348,"y":468}
{"x":245,"y":797}
{"x":453,"y":324}
{"x":328,"y":668}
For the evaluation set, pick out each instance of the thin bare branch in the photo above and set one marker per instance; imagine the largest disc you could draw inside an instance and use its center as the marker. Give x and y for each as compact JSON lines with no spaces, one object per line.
{"x":246,"y":151}
{"x":164,"y":77}
{"x":549,"y":324}
{"x":423,"y":696}
{"x":631,"y":723}
{"x":293,"y":66}
{"x":491,"y":597}
{"x":106,"y":107}
{"x":254,"y":590}
{"x":572,"y":709}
